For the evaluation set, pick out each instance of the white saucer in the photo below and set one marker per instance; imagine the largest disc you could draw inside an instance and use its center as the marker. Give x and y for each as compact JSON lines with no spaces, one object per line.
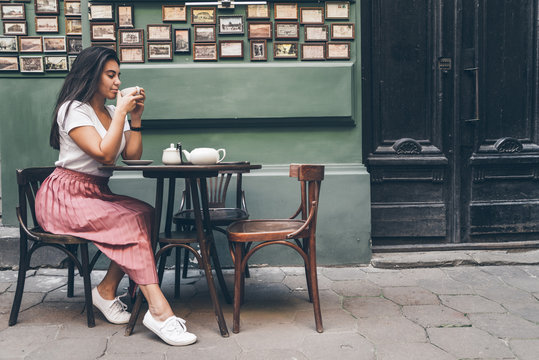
{"x":137,"y":162}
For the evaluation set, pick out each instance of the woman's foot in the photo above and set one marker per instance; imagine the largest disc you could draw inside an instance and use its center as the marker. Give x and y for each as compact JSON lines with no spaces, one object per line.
{"x":172,"y":330}
{"x":115,"y":311}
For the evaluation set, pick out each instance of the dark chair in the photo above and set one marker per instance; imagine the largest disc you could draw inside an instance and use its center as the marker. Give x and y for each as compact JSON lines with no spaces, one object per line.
{"x":299,"y":234}
{"x":28,"y":181}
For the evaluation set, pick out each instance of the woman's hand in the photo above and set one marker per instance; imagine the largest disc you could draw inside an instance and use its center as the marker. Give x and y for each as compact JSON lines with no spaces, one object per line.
{"x":131,"y":103}
{"x":136,"y":113}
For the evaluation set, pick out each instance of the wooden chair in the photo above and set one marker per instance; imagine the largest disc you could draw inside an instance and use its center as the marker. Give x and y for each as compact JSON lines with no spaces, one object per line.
{"x":299,"y":234}
{"x":28,"y":181}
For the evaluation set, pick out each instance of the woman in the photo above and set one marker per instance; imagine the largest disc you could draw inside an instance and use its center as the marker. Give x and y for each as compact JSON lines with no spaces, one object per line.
{"x":76,"y":200}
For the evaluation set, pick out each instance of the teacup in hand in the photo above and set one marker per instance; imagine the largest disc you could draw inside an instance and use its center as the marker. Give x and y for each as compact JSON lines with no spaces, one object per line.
{"x":130,"y":90}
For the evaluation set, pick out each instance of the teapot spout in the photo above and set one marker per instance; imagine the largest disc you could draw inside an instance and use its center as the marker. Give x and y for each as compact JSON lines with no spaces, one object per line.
{"x":186,"y":154}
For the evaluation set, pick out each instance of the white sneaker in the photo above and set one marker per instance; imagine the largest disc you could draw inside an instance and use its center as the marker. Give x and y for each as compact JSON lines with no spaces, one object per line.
{"x":172,"y":330}
{"x":115,"y":311}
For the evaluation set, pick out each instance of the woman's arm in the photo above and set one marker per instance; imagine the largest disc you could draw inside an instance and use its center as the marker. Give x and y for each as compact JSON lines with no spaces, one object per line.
{"x":133,"y":139}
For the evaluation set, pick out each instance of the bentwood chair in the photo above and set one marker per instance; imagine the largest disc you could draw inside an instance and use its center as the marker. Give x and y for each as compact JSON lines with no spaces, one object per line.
{"x":299,"y":234}
{"x":28,"y":181}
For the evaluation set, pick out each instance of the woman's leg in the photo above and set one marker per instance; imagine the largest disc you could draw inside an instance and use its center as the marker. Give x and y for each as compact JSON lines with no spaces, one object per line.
{"x":157,"y":303}
{"x":109,"y":285}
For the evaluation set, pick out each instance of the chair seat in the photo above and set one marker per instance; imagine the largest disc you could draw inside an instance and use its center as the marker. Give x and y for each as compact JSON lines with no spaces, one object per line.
{"x":264,"y":230}
{"x":56,"y":238}
{"x":218,"y":216}
{"x":179,"y":237}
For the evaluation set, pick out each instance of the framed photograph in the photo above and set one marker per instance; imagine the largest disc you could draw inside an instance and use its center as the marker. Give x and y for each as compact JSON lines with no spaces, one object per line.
{"x":343,"y":31}
{"x":15,"y":28}
{"x":55,"y":63}
{"x":259,"y":50}
{"x":287,"y":30}
{"x":316,"y":32}
{"x":13,"y":12}
{"x":46,"y":24}
{"x":9,"y":63}
{"x":283,"y":11}
{"x":231,"y":25}
{"x":74,"y":44}
{"x":8,"y":44}
{"x":101,"y":12}
{"x":338,"y":51}
{"x":109,"y":45}
{"x":231,"y":49}
{"x":204,"y":33}
{"x":311,"y":15}
{"x":160,"y":51}
{"x":72,"y":8}
{"x":131,"y":54}
{"x":259,"y":30}
{"x":313,"y":51}
{"x":125,"y":16}
{"x":73,"y":26}
{"x":285,"y":50}
{"x":70,"y":60}
{"x":204,"y":52}
{"x":131,"y":37}
{"x":102,"y":32}
{"x":174,"y":12}
{"x":258,"y":11}
{"x":30,"y":44}
{"x":31,"y":64}
{"x":338,"y":10}
{"x":203,"y":15}
{"x":182,"y":41}
{"x":54,"y":44}
{"x":159,"y":32}
{"x":43,"y":7}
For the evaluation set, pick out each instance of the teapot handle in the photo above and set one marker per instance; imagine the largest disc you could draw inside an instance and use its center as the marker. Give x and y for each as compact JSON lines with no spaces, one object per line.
{"x":223,"y":157}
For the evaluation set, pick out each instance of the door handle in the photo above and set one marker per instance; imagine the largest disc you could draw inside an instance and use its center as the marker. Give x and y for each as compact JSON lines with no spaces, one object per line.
{"x":475,"y":118}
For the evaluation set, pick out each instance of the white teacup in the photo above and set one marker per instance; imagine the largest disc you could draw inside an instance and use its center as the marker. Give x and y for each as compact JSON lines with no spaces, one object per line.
{"x":130,"y":90}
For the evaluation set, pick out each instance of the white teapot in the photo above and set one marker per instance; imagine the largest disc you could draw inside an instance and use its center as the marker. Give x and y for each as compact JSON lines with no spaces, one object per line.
{"x":171,"y":156}
{"x":204,"y":156}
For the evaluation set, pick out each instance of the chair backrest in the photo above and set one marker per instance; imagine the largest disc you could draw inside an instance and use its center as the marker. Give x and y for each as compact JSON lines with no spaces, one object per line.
{"x":28,"y":181}
{"x":310,"y":178}
{"x":218,"y":190}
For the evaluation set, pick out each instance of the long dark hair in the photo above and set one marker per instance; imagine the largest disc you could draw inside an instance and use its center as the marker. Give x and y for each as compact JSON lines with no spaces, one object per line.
{"x":81,"y":83}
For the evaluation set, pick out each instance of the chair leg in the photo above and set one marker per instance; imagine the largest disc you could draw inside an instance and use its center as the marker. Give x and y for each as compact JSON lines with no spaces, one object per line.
{"x":134,"y":314}
{"x":313,"y":279}
{"x":23,"y":265}
{"x":185,"y":264}
{"x":177,"y":272}
{"x":161,"y":267}
{"x":87,"y":284}
{"x":219,"y":272}
{"x":71,"y":271}
{"x":238,"y":285}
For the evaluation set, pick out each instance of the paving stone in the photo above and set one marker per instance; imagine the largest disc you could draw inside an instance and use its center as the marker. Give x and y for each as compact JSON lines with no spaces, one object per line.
{"x":294,"y":270}
{"x":342,"y":346}
{"x":53,"y":272}
{"x":21,"y":340}
{"x":42,"y":283}
{"x":356,"y":288}
{"x":271,"y":336}
{"x":445,"y":285}
{"x":347,"y":273}
{"x":391,"y":330}
{"x":386,"y":277}
{"x":469,"y":304}
{"x":474,"y":277}
{"x":498,"y":257}
{"x":4,"y":287}
{"x":284,"y":354}
{"x":4,"y":319}
{"x":268,"y":274}
{"x":505,"y":325}
{"x":504,"y":294}
{"x":421,"y":259}
{"x":216,"y":347}
{"x":410,"y":295}
{"x":376,"y":307}
{"x":70,"y":349}
{"x":103,"y":329}
{"x":55,"y":313}
{"x":328,"y":298}
{"x":11,"y":276}
{"x":416,"y":351}
{"x":515,"y":276}
{"x":142,"y":341}
{"x":528,"y":311}
{"x":435,"y":316}
{"x":28,"y":300}
{"x":468,"y":343}
{"x":332,"y":320}
{"x":150,"y":356}
{"x":525,"y":349}
{"x":300,"y":282}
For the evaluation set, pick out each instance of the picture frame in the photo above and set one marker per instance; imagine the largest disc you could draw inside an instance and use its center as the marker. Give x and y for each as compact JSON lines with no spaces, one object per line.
{"x":315,"y":32}
{"x":258,"y":11}
{"x":337,"y":10}
{"x":258,"y":50}
{"x":9,"y":44}
{"x":313,"y":51}
{"x":15,"y":28}
{"x":311,"y":15}
{"x":125,"y":16}
{"x":46,"y":7}
{"x":285,"y":50}
{"x":159,"y":32}
{"x":160,"y":51}
{"x":131,"y":54}
{"x":231,"y":49}
{"x":55,"y":63}
{"x":203,"y":15}
{"x":260,"y":30}
{"x":343,"y":31}
{"x":204,"y":33}
{"x":13,"y":11}
{"x":174,"y":13}
{"x":46,"y":24}
{"x":54,"y":44}
{"x":109,"y":45}
{"x":131,"y":37}
{"x":72,"y":8}
{"x":101,"y":12}
{"x":31,"y":64}
{"x":338,"y":50}
{"x":285,"y":11}
{"x":73,"y":26}
{"x":204,"y":52}
{"x":70,"y":60}
{"x":9,"y":63}
{"x":231,"y":25}
{"x":182,"y":41}
{"x":286,"y":30}
{"x":103,"y":32}
{"x":31,"y":44}
{"x":74,"y":44}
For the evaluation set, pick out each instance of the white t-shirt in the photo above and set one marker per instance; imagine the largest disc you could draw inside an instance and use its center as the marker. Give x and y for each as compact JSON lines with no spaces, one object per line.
{"x":71,"y":156}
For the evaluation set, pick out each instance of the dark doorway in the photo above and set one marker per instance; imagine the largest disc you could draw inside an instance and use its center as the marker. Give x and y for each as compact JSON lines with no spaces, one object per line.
{"x":450,"y":114}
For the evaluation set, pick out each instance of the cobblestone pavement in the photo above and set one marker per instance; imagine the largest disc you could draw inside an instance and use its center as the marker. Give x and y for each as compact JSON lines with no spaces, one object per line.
{"x":461,"y":312}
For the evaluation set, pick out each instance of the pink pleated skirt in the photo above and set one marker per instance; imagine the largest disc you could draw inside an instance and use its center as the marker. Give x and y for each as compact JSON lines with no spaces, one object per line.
{"x":78,"y":204}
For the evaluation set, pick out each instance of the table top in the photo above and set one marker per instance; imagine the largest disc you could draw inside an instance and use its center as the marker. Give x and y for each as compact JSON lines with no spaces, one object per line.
{"x":171,"y":170}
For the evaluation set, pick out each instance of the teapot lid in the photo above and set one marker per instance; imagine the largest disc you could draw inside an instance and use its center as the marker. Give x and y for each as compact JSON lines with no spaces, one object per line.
{"x":172,"y":147}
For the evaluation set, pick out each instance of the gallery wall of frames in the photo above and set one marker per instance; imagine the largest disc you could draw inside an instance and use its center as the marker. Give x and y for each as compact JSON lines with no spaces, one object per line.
{"x":45,"y":36}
